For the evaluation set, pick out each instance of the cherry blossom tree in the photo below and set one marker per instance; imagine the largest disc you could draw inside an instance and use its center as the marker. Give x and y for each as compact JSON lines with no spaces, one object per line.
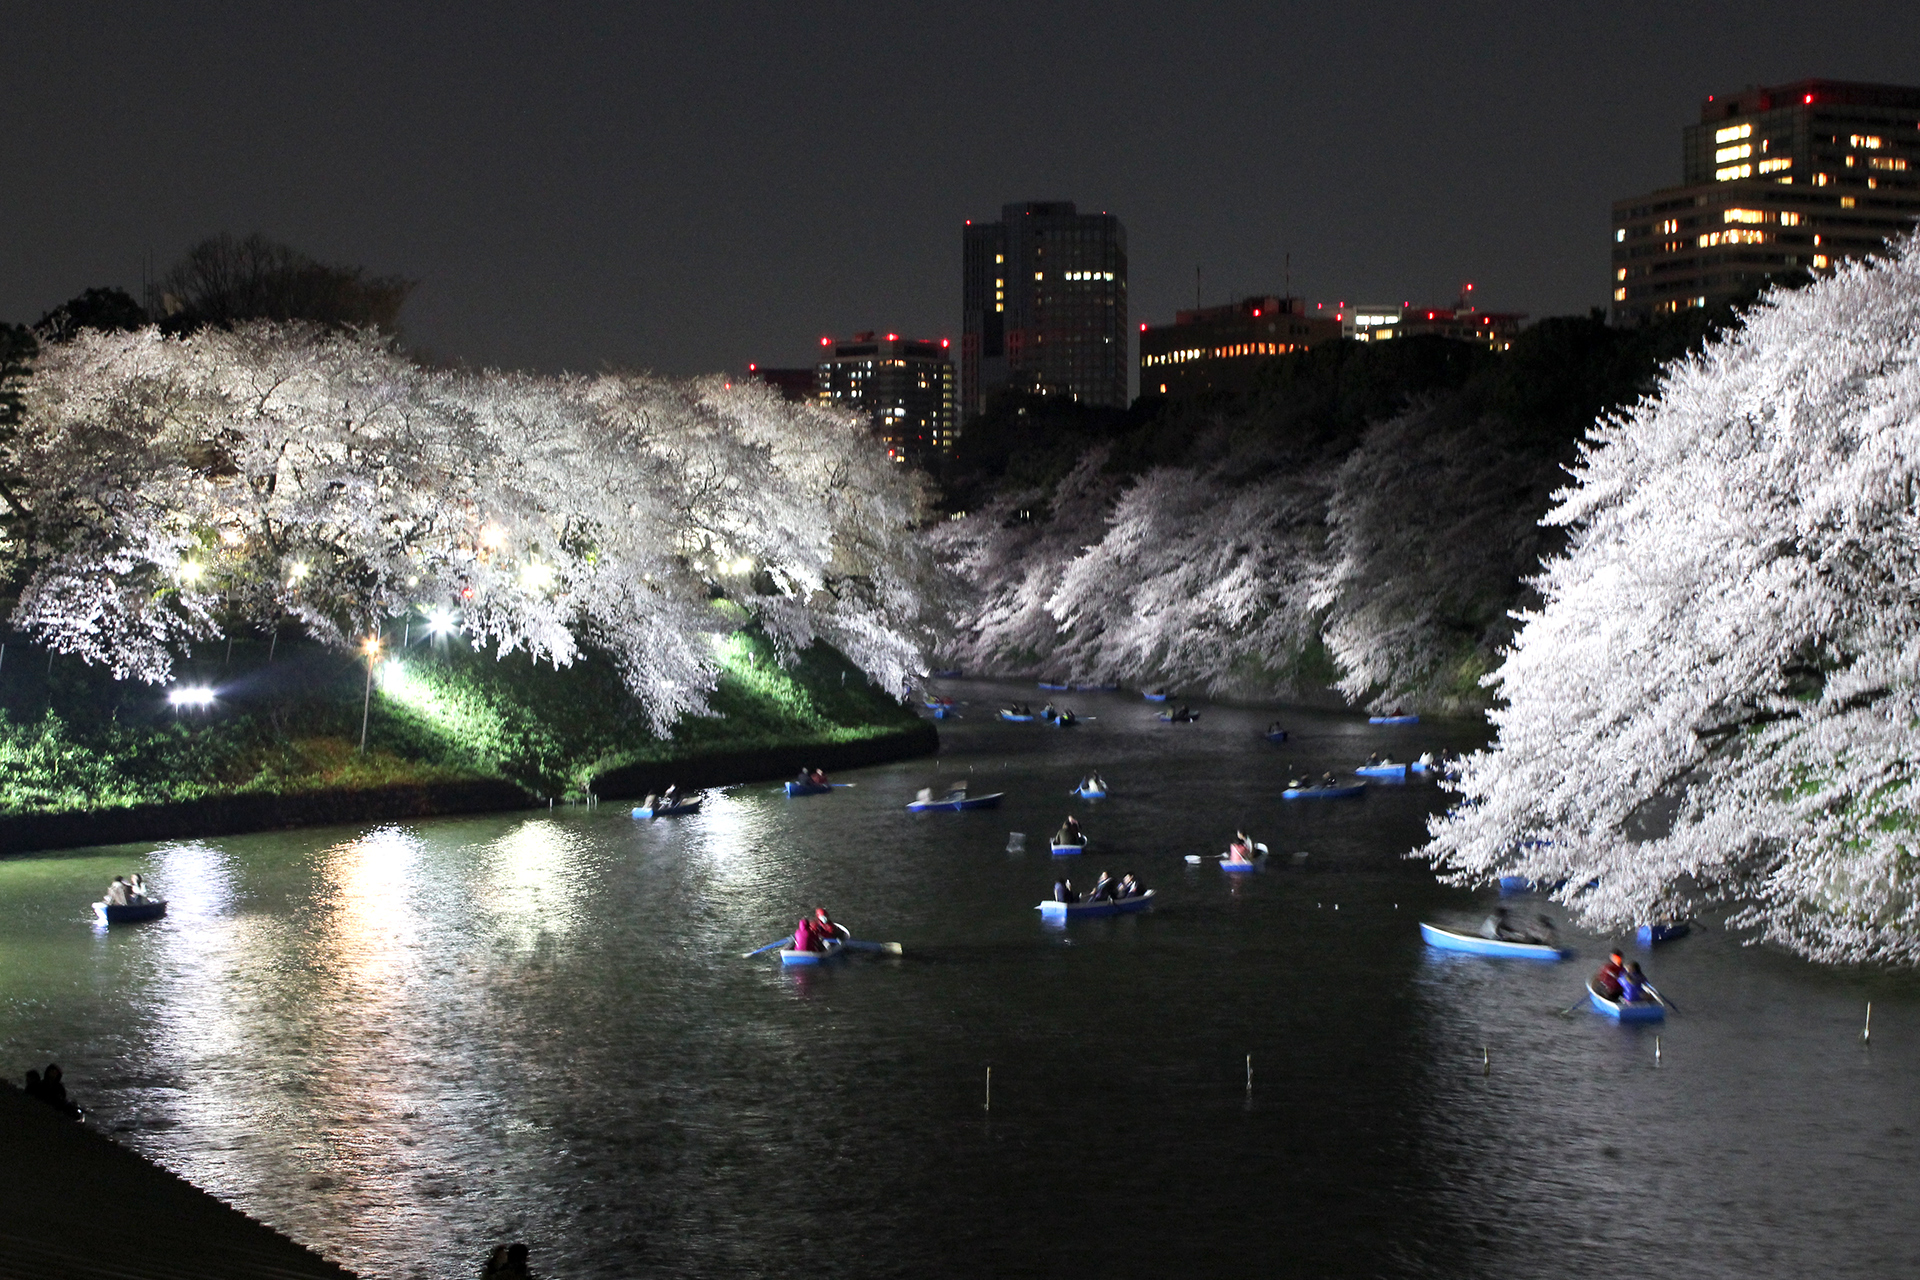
{"x":175,"y":487}
{"x":1718,"y":699}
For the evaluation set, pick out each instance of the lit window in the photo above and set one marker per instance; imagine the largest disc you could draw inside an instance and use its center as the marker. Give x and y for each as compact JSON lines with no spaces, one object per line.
{"x":1822,"y":179}
{"x":999,"y":257}
{"x":1751,"y":217}
{"x":1789,"y":219}
{"x":1893,"y":163}
{"x":1867,"y":141}
{"x":1620,"y":273}
{"x":1732,"y":172}
{"x":1740,"y":152}
{"x":1039,"y":275}
{"x":1670,"y":226}
{"x":1731,"y":132}
{"x":1846,"y":202}
{"x":1619,"y":295}
{"x":1819,"y":259}
{"x":1776,"y":165}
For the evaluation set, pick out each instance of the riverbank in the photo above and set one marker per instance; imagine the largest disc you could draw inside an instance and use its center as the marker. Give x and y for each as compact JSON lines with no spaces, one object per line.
{"x":75,"y":1205}
{"x":86,"y":760}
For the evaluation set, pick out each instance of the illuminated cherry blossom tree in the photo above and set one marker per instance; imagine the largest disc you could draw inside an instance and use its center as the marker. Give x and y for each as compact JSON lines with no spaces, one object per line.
{"x":1718,"y":700}
{"x":177,"y":487}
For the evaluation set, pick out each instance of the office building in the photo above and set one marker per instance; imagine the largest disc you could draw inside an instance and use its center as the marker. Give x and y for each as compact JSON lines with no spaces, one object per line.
{"x":905,"y":387}
{"x":1044,"y":306}
{"x":1779,"y":179}
{"x":1463,"y":322}
{"x":1223,"y":348}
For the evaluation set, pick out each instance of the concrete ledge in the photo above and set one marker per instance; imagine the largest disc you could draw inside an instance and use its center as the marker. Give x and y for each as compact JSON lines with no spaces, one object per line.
{"x":231,"y":815}
{"x":75,"y":1205}
{"x":721,"y":767}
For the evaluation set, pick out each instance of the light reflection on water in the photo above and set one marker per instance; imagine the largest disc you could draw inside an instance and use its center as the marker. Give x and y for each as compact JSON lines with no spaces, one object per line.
{"x":405,"y":1043}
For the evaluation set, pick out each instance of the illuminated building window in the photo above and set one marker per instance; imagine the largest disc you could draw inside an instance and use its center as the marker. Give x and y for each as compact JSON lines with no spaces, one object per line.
{"x":1733,"y":171}
{"x":1740,"y":152}
{"x":1819,"y":259}
{"x":999,"y":257}
{"x":1619,"y":295}
{"x":1822,"y":179}
{"x":1619,"y":235}
{"x":1749,"y":216}
{"x":1732,"y":237}
{"x":1789,"y":219}
{"x":1867,"y":141}
{"x":1731,"y":132}
{"x":1670,"y":226}
{"x":1776,"y":165}
{"x":1846,"y":202}
{"x":1893,"y":163}
{"x":1620,"y":273}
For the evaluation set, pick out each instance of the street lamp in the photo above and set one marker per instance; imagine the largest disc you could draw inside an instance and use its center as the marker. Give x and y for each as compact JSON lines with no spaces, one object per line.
{"x":371,"y":647}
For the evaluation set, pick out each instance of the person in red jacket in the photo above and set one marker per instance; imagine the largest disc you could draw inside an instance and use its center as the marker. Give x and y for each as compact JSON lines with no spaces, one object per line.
{"x":1607,"y":980}
{"x":827,"y":929}
{"x":806,"y":935}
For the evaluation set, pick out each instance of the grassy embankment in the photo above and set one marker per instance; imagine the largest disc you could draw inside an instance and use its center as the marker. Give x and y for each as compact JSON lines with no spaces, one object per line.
{"x":74,"y":740}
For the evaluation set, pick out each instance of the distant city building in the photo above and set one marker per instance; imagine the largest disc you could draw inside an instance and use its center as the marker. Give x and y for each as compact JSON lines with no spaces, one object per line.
{"x":794,"y":384}
{"x":1222,"y":348}
{"x":1778,"y":179}
{"x":1044,"y":305}
{"x":906,"y":388}
{"x":1377,"y":322}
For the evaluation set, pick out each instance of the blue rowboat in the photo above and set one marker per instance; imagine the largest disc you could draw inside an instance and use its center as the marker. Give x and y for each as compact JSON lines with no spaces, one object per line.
{"x":808,"y":788}
{"x":1068,"y":850}
{"x":1324,"y":793}
{"x":1398,"y":772}
{"x":1085,"y":794}
{"x":1650,"y":934}
{"x":1393,"y":719}
{"x":132,"y":913}
{"x":1624,"y":1011}
{"x":671,"y":810}
{"x":1277,"y":735}
{"x":1096,"y":688}
{"x":1228,"y":864}
{"x":941,"y":713}
{"x":1015,"y":717}
{"x":1047,"y":684}
{"x":950,"y":673}
{"x":1474,"y":944}
{"x":1066,"y":720}
{"x":1155,"y":697}
{"x":955,"y":803}
{"x":1174,"y":717}
{"x":1423,"y":766}
{"x":831,"y":950}
{"x":1081,"y":910}
{"x":1510,"y":885}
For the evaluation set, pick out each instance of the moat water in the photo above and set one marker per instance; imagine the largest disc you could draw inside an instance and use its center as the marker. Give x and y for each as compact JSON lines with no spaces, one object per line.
{"x":403,"y":1044}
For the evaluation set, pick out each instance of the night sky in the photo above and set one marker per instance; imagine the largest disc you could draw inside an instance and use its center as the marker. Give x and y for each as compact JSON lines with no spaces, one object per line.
{"x":688,"y":188}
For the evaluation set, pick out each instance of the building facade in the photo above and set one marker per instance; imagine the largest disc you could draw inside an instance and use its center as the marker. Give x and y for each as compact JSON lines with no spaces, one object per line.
{"x":1044,"y":305}
{"x":1223,"y":348}
{"x":1462,"y":322}
{"x":904,"y":386}
{"x":1778,"y":179}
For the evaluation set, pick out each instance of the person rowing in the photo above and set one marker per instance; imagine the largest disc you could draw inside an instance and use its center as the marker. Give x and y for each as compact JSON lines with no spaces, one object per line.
{"x":1129,"y":887}
{"x":1240,"y":849}
{"x":1607,"y":980}
{"x":1063,"y":891}
{"x":1634,"y":988}
{"x":807,"y":936}
{"x":824,"y":924}
{"x":1093,"y":782}
{"x":1070,"y":832}
{"x":1501,"y":925}
{"x":1104,"y":890}
{"x":1048,"y":713}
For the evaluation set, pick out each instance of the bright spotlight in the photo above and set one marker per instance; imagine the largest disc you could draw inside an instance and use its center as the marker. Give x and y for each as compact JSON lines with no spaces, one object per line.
{"x":537,"y":577}
{"x":198,"y":697}
{"x":191,"y":571}
{"x":441,"y":622}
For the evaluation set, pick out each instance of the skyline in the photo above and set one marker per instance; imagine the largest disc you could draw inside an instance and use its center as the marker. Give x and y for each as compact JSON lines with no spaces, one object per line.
{"x":693,"y":193}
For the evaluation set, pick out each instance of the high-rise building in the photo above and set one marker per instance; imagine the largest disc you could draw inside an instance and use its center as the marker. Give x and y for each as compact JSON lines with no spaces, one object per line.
{"x":1044,"y":305}
{"x":1222,"y":348}
{"x":904,"y":386}
{"x":1776,"y":179}
{"x":792,"y":384}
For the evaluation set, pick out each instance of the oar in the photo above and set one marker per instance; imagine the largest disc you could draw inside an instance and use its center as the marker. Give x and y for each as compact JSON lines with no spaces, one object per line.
{"x":886,"y":948}
{"x":1575,"y":1005}
{"x":1662,"y":999}
{"x":1195,"y":859}
{"x":777,"y":942}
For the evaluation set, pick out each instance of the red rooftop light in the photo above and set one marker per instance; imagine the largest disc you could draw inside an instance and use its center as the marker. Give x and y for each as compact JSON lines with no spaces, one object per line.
{"x":1807,"y":99}
{"x":826,"y":342}
{"x":752,"y":368}
{"x":1143,"y":327}
{"x":943,"y":342}
{"x":893,"y":337}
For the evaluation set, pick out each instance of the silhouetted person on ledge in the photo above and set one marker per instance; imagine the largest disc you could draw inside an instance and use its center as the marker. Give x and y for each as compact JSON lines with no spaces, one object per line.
{"x":51,"y":1089}
{"x":507,"y":1262}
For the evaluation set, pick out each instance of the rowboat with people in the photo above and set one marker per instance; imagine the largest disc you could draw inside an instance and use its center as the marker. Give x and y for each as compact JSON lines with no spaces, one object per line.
{"x":1325,"y":792}
{"x":1652,"y":1009}
{"x":130,"y":913}
{"x":1397,"y":719}
{"x":660,"y":808}
{"x":954,"y":802}
{"x":1474,"y":944}
{"x":1102,"y":907}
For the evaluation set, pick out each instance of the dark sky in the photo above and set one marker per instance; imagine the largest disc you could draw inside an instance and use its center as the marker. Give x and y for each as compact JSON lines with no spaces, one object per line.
{"x":688,"y":187}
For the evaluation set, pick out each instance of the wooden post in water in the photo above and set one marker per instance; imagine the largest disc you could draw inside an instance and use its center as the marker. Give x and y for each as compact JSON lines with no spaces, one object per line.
{"x":1656,"y":1051}
{"x":989,"y":1105}
{"x":1249,"y":1073}
{"x":1866,"y":1032}
{"x":1486,"y":1061}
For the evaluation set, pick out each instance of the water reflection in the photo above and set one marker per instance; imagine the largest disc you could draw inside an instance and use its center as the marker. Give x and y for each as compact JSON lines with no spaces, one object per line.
{"x":533,"y":881}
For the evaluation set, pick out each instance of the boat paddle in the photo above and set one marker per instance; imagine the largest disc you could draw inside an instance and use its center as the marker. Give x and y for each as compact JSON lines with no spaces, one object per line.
{"x":777,"y":942}
{"x":1195,"y":859}
{"x":885,"y":948}
{"x":1655,"y":993}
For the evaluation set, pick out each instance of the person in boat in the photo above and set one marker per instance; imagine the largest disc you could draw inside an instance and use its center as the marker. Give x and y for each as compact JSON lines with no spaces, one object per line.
{"x":1297,"y":783}
{"x":1063,"y":891}
{"x":1129,"y":887}
{"x":1373,"y":757}
{"x":1047,"y":712}
{"x":1070,"y":832}
{"x":826,"y":927}
{"x":1607,"y":980}
{"x":51,"y":1089}
{"x":1274,"y":727}
{"x":806,"y":935}
{"x":117,"y":892}
{"x":818,"y":777}
{"x":137,"y":890}
{"x":1328,"y":780}
{"x":1633,"y":984}
{"x":925,"y":796}
{"x":671,"y":796}
{"x":1066,"y":716}
{"x":1105,"y":889}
